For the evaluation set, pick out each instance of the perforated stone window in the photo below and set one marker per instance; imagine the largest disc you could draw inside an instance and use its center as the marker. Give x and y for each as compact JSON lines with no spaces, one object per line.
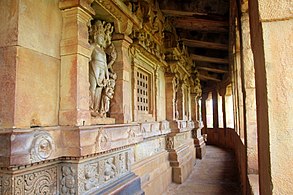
{"x":143,"y":92}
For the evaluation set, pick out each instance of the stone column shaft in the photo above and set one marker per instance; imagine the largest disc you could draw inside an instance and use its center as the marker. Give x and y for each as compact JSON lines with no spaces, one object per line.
{"x":170,"y":106}
{"x":75,"y":56}
{"x":271,"y":25}
{"x":215,"y":109}
{"x":121,"y":105}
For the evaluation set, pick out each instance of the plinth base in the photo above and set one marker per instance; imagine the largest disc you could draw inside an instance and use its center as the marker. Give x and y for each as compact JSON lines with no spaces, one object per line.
{"x":129,"y":184}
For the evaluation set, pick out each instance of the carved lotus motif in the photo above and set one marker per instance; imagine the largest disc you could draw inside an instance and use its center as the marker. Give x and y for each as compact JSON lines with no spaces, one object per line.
{"x":42,"y":146}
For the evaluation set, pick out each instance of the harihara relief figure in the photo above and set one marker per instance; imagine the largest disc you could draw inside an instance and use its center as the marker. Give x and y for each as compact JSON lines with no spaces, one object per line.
{"x":100,"y":68}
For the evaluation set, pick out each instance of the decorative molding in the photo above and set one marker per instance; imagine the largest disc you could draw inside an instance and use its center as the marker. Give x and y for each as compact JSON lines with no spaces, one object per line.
{"x":125,"y":20}
{"x":103,"y":140}
{"x":149,"y":148}
{"x":6,"y":184}
{"x":96,"y":173}
{"x":42,"y":146}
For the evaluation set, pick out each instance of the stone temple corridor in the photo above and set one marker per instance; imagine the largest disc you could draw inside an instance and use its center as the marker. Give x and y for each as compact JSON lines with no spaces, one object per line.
{"x":146,"y":97}
{"x":215,"y":174}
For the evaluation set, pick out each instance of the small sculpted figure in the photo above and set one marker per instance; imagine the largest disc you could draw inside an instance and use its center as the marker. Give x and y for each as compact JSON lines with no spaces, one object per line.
{"x":110,"y":169}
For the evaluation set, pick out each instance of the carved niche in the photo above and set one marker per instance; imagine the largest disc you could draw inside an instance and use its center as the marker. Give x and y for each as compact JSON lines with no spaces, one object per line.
{"x":42,"y":146}
{"x":101,"y":75}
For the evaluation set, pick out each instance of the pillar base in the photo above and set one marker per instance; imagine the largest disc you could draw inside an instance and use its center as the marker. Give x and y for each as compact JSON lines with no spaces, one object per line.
{"x":181,"y":155}
{"x":200,"y":148}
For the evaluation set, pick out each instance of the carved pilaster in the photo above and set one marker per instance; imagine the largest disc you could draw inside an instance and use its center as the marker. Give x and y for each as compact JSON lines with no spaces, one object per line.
{"x":121,"y":104}
{"x":170,"y":98}
{"x":75,"y":55}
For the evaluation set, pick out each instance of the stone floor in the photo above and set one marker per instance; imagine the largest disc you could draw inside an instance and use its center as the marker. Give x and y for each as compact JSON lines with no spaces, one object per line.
{"x":216,"y":174}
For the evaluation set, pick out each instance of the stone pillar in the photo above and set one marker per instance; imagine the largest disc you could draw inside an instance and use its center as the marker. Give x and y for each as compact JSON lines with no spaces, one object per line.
{"x":249,"y":100}
{"x":189,"y":103}
{"x":180,"y":101}
{"x":75,"y":56}
{"x":215,"y":109}
{"x":200,"y":147}
{"x":194,"y":106}
{"x":170,"y":104}
{"x":121,"y":105}
{"x":8,"y":55}
{"x":271,"y":24}
{"x":204,"y":113}
{"x":222,"y":93}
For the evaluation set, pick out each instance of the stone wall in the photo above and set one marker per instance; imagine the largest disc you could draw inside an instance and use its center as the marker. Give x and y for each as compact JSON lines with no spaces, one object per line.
{"x":271,"y":30}
{"x":31,"y":63}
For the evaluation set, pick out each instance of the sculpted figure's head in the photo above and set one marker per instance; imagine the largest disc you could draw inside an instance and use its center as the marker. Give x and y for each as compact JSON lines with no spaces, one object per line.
{"x":99,"y":33}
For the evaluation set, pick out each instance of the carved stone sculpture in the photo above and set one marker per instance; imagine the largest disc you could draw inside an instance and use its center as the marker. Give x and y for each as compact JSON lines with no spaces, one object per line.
{"x":42,"y":146}
{"x":90,"y":174}
{"x":122,"y":164}
{"x":101,"y":76}
{"x":68,"y":180}
{"x":110,"y":169}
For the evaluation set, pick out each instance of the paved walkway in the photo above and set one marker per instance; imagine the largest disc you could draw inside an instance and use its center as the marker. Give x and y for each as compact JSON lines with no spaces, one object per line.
{"x":216,"y":174}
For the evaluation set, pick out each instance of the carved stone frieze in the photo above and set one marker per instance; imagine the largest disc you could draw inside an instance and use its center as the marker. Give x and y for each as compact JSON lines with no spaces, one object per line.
{"x":146,"y":41}
{"x":150,"y":129}
{"x":164,"y":127}
{"x":36,"y":181}
{"x":98,"y":172}
{"x":68,"y":180}
{"x":131,"y":135}
{"x":91,"y":176}
{"x":103,"y":140}
{"x":195,"y":84}
{"x":42,"y":146}
{"x":125,"y":20}
{"x":6,"y":185}
{"x":149,"y":13}
{"x":181,"y":126}
{"x":149,"y":148}
{"x":176,"y":140}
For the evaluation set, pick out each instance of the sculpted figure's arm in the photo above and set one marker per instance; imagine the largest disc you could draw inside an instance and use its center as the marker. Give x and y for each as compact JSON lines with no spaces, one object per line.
{"x":113,"y":55}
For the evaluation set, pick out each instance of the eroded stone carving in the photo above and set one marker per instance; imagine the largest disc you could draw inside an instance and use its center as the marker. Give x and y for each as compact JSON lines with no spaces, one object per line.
{"x":68,"y":180}
{"x":169,"y":143}
{"x":195,"y":84}
{"x":110,"y":169}
{"x":91,"y":175}
{"x":131,"y":135}
{"x":122,"y":166}
{"x":37,"y":182}
{"x":103,"y":141}
{"x":97,"y":172}
{"x":6,"y":185}
{"x":101,"y":75}
{"x":42,"y":146}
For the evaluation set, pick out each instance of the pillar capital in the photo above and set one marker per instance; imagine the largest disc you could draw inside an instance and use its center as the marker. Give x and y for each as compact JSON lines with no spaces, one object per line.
{"x":222,"y":91}
{"x":84,"y":4}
